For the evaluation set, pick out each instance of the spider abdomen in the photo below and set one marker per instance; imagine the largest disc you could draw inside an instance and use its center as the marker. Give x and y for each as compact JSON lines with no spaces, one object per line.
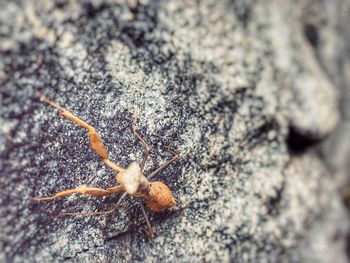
{"x":159,"y":198}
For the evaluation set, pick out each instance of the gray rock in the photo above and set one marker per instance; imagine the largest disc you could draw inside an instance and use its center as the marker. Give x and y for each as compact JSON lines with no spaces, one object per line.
{"x":241,"y":89}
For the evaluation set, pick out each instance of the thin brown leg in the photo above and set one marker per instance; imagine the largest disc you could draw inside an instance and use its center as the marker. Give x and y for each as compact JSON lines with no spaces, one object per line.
{"x":96,"y":213}
{"x":150,"y":230}
{"x":147,"y":148}
{"x":95,"y":140}
{"x":83,"y":190}
{"x":166,"y":164}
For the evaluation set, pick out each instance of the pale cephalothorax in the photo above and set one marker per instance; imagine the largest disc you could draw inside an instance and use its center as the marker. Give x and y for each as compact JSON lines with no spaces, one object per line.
{"x":135,"y":183}
{"x":132,"y":181}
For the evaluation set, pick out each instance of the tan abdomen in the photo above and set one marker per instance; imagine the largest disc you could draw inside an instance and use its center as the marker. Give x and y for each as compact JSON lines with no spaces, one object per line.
{"x":159,"y":198}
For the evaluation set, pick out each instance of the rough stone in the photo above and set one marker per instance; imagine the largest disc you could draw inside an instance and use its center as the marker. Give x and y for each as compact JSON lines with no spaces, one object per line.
{"x":242,"y":90}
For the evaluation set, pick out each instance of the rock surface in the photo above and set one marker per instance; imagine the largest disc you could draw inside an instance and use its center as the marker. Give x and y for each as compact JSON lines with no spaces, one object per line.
{"x":241,"y":89}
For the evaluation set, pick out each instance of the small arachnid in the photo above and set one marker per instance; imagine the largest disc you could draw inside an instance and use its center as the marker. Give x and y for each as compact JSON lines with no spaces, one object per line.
{"x":132,"y":181}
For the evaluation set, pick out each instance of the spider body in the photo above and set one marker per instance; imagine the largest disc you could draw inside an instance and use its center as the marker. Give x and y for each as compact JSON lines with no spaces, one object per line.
{"x":159,"y":198}
{"x":155,"y":194}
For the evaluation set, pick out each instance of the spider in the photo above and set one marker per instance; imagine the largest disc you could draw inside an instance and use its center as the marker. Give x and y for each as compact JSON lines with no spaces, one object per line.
{"x":155,"y":194}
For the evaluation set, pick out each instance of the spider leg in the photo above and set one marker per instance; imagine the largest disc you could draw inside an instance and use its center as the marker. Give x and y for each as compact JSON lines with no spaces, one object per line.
{"x":150,"y":230}
{"x":94,"y":191}
{"x":147,"y":148}
{"x":96,"y":213}
{"x":166,"y":164}
{"x":95,"y":140}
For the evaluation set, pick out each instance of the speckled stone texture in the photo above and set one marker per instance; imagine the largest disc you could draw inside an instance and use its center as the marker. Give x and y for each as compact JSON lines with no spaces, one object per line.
{"x":247,"y":92}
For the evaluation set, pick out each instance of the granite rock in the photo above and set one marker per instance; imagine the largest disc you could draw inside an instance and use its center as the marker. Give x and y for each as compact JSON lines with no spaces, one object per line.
{"x":242,"y":90}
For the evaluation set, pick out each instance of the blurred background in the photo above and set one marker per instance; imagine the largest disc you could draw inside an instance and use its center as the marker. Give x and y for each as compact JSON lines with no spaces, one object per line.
{"x":253,"y":95}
